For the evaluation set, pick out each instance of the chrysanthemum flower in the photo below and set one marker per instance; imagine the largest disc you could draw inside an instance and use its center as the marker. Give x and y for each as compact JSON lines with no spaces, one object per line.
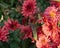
{"x":12,"y":24}
{"x":4,"y":34}
{"x":51,"y":31}
{"x":50,"y":12}
{"x":29,"y":7}
{"x":43,"y":41}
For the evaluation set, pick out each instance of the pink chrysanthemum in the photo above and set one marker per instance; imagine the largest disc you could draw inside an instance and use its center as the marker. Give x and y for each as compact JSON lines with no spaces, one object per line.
{"x":29,"y":7}
{"x":50,"y":13}
{"x":49,"y":27}
{"x":51,"y":31}
{"x":4,"y":34}
{"x":42,"y":42}
{"x":12,"y":24}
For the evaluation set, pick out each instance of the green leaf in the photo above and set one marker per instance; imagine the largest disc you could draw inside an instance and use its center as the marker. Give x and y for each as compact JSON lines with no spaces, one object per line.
{"x":1,"y":44}
{"x":0,"y":13}
{"x":14,"y":36}
{"x":5,"y":45}
{"x":12,"y":2}
{"x":43,"y":4}
{"x":1,"y":23}
{"x":4,"y":5}
{"x":33,"y":26}
{"x":14,"y":45}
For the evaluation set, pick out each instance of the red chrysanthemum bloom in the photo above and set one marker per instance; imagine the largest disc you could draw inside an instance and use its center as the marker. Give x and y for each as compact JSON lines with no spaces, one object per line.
{"x":12,"y":24}
{"x":29,"y":7}
{"x":4,"y":34}
{"x":42,"y":42}
{"x":26,"y":32}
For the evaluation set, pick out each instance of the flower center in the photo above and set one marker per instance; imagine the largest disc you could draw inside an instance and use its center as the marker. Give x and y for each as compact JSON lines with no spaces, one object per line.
{"x":12,"y":26}
{"x":52,"y":14}
{"x":29,"y":7}
{"x":43,"y":41}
